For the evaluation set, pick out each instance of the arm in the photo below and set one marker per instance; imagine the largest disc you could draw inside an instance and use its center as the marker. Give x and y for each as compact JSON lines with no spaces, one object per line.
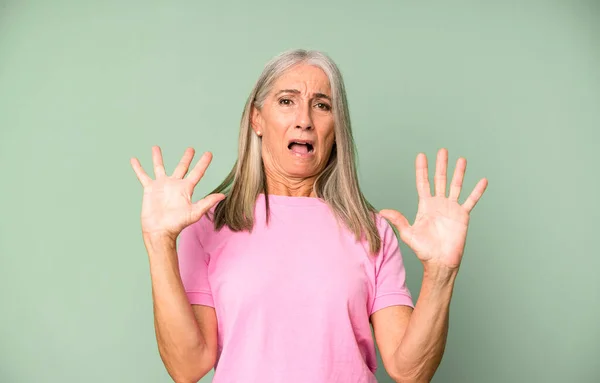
{"x":417,"y":340}
{"x":415,"y":348}
{"x":186,"y":336}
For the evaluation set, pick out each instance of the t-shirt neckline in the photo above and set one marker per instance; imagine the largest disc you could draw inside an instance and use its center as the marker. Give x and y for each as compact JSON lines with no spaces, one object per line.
{"x":292,"y":200}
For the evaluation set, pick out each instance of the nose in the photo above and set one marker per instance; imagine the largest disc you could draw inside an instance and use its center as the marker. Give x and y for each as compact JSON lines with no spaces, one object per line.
{"x":304,"y":118}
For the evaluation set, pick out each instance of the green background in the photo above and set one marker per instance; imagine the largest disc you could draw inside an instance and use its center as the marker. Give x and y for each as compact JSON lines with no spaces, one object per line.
{"x":513,"y":86}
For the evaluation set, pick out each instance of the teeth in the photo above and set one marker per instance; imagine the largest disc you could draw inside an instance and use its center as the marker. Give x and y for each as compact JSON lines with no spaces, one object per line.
{"x":310,"y":146}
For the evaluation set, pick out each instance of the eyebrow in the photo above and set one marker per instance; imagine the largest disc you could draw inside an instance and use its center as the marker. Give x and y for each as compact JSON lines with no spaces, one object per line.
{"x":296,"y":91}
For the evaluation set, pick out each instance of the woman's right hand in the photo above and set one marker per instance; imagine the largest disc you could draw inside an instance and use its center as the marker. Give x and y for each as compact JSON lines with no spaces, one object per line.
{"x":167,"y":206}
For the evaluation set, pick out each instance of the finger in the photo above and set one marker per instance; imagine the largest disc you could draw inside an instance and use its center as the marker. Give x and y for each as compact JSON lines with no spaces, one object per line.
{"x":139,"y":171}
{"x":206,"y":203}
{"x":184,"y":164}
{"x":396,"y":218}
{"x":157,"y":160}
{"x":198,"y":171}
{"x":423,"y":188}
{"x":457,"y":179}
{"x":475,"y":195}
{"x":441,"y":167}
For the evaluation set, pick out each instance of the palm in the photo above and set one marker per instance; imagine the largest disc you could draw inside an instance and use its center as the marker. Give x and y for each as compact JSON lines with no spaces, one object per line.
{"x":439,"y":228}
{"x":438,"y":235}
{"x":167,"y":206}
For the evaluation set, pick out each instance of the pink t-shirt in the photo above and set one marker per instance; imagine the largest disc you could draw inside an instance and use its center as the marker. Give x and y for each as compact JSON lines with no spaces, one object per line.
{"x":293,"y":298}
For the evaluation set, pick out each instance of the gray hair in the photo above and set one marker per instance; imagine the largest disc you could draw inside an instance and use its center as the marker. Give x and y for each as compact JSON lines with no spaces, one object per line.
{"x":337,"y":184}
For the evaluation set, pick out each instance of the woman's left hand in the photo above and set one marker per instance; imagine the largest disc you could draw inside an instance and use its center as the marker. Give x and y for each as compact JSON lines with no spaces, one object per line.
{"x":439,"y":232}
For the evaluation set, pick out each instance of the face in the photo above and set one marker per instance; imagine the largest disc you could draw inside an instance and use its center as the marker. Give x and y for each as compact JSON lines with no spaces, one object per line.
{"x":296,"y":125}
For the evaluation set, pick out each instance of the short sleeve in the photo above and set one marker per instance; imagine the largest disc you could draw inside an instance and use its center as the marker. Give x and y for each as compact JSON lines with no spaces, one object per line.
{"x":193,"y":267}
{"x":390,"y":274}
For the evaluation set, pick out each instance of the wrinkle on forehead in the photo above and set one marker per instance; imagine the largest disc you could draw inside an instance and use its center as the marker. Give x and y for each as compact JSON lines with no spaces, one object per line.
{"x":308,"y":79}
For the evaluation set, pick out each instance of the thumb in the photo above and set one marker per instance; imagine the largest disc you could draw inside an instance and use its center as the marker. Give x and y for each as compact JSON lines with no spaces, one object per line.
{"x":397,"y":219}
{"x":205,"y":204}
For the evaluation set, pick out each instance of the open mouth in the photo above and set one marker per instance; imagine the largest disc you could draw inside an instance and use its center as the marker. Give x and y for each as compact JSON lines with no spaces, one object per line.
{"x":301,"y":147}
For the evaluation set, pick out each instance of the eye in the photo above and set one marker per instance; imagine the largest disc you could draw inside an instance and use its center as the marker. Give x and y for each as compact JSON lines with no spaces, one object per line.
{"x":285,"y":101}
{"x":323,"y":106}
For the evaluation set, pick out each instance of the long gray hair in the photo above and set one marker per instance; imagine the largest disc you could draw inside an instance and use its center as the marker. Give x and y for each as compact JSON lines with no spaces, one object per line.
{"x":337,"y":184}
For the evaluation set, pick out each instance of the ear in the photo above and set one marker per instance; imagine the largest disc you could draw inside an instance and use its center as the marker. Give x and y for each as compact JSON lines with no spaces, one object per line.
{"x":256,"y":120}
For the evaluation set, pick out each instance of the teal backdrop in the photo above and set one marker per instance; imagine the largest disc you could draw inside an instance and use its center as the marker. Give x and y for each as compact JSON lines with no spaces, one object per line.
{"x":513,"y":86}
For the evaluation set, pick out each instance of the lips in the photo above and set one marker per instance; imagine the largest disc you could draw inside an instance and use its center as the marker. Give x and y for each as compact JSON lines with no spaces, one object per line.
{"x":301,"y":147}
{"x":309,"y":144}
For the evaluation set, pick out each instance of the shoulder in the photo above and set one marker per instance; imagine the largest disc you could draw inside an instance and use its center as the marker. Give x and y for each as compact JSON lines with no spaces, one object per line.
{"x":208,"y":235}
{"x":197,"y":230}
{"x":384,"y":228}
{"x":205,"y":225}
{"x":382,"y":223}
{"x":387,"y":235}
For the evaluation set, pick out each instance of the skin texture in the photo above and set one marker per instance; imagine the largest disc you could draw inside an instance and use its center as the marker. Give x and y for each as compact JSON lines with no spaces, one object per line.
{"x":302,"y":113}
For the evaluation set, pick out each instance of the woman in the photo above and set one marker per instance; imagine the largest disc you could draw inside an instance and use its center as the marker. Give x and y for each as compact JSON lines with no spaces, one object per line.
{"x":281,"y":271}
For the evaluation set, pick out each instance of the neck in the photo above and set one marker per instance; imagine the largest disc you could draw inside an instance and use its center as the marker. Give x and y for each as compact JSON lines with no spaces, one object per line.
{"x":302,"y":188}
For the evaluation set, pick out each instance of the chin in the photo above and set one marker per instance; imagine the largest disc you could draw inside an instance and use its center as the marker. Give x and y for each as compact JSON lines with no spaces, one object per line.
{"x":300,"y":170}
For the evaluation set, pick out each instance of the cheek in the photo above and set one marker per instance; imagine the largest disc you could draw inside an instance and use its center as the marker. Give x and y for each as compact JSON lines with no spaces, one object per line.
{"x":328,"y":133}
{"x":275,"y":126}
{"x":278,"y":119}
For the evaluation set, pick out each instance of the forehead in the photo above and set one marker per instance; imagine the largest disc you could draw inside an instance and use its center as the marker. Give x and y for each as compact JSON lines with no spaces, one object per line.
{"x":305,"y":78}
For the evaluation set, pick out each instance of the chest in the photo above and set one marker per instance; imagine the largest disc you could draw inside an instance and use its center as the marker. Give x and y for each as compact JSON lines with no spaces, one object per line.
{"x":289,"y":268}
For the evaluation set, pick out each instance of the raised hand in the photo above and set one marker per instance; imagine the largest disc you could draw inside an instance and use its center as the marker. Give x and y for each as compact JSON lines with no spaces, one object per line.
{"x":167,"y":206}
{"x":439,"y":232}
